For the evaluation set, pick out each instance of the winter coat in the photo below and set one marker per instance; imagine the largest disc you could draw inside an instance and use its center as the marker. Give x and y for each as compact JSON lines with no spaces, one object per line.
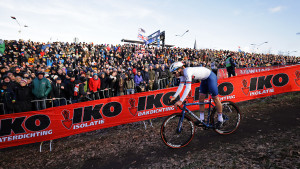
{"x":41,"y":88}
{"x":94,"y":84}
{"x":7,"y":96}
{"x":164,"y":74}
{"x":138,"y":79}
{"x":152,"y":74}
{"x":23,"y":99}
{"x":104,"y":83}
{"x":24,"y":94}
{"x":113,"y":83}
{"x":129,"y":83}
{"x":146,"y":77}
{"x":69,"y":89}
{"x":57,"y":91}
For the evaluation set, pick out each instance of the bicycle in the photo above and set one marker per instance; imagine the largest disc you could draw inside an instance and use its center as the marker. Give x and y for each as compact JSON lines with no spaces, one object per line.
{"x":178,"y":129}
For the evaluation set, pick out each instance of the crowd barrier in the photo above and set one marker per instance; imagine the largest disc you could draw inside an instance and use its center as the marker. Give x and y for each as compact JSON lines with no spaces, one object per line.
{"x":53,"y":123}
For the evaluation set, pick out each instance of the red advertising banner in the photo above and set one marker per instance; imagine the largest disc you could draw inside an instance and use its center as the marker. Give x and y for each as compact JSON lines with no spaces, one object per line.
{"x":53,"y":123}
{"x":222,"y":73}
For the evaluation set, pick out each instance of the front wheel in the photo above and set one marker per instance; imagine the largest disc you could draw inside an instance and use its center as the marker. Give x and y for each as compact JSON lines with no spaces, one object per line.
{"x":231,"y":117}
{"x":174,"y":136}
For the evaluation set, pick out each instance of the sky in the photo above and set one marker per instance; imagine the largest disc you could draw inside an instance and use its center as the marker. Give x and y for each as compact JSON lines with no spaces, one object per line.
{"x":262,"y":26}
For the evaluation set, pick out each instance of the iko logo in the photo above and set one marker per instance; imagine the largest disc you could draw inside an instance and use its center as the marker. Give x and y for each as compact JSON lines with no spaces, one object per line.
{"x":67,"y":122}
{"x":90,"y":115}
{"x":264,"y":82}
{"x":245,"y":87}
{"x":132,"y":109}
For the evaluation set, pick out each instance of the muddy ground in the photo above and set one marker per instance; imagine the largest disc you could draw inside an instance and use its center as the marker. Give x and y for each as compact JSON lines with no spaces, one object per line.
{"x":268,"y":137}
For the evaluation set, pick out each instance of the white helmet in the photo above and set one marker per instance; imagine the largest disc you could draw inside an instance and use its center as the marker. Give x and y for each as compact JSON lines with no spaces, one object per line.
{"x":175,"y":66}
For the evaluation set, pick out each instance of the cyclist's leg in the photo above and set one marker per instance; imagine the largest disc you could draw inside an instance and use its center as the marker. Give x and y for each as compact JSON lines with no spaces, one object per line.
{"x":213,"y":89}
{"x":202,"y":93}
{"x":217,"y":103}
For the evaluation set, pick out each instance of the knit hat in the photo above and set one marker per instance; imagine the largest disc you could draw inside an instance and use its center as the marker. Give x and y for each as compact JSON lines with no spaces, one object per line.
{"x":23,"y":81}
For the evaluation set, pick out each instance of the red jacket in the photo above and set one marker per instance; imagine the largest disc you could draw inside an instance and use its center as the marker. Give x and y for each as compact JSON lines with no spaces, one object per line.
{"x":94,"y":85}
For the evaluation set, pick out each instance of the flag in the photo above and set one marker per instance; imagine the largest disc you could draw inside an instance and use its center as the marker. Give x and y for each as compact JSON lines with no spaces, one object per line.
{"x":141,"y":34}
{"x":142,"y":37}
{"x":195,"y":45}
{"x":12,"y":17}
{"x":2,"y":47}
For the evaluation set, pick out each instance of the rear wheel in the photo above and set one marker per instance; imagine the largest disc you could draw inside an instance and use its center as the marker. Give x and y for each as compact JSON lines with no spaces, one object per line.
{"x":231,"y":117}
{"x":174,"y":137}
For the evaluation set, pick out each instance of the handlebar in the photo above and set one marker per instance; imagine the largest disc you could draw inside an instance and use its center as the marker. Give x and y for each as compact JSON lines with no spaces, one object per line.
{"x":180,"y":107}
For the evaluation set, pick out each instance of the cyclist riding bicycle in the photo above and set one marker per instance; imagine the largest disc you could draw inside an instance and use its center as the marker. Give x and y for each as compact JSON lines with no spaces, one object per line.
{"x":208,"y":84}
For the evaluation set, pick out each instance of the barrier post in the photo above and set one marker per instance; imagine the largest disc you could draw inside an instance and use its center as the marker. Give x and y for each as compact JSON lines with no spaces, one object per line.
{"x":145,"y":125}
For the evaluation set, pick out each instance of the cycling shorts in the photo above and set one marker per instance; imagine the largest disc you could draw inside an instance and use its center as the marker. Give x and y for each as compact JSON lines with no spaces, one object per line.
{"x":209,"y":85}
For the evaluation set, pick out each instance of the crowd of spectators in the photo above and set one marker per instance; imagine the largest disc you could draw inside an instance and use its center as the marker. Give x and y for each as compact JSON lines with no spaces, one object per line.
{"x":34,"y":75}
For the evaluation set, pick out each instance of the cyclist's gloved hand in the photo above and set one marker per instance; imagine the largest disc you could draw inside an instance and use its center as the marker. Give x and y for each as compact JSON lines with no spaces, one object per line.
{"x":178,"y":103}
{"x":172,"y":99}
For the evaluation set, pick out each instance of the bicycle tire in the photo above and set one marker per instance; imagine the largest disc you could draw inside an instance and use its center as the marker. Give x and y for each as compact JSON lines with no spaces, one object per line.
{"x":169,"y":133}
{"x":231,"y":117}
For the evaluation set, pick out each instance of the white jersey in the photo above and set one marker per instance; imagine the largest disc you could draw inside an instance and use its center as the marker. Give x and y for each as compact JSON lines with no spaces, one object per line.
{"x":200,"y":73}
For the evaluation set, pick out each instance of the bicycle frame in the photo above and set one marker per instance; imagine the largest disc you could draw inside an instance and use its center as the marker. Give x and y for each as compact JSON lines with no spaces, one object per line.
{"x":186,"y":110}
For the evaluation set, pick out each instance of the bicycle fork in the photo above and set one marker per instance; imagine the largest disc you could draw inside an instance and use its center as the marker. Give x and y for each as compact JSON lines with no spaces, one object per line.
{"x":179,"y":127}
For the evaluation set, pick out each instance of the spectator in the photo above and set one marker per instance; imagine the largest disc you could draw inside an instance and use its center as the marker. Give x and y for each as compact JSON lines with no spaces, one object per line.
{"x":70,"y":87}
{"x":139,"y":82}
{"x":8,"y":98}
{"x":129,"y":84}
{"x":6,"y":79}
{"x":23,"y":97}
{"x":230,"y":65}
{"x":94,"y":85}
{"x":83,"y":93}
{"x":164,"y":77}
{"x":104,"y":93}
{"x":113,"y":85}
{"x":13,"y":84}
{"x":146,"y":78}
{"x":58,"y":92}
{"x":121,"y":85}
{"x":18,"y":72}
{"x":151,"y":78}
{"x":40,"y":89}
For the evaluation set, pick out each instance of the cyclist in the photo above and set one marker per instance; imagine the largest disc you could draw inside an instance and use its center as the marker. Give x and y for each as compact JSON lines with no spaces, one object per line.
{"x":208,"y":84}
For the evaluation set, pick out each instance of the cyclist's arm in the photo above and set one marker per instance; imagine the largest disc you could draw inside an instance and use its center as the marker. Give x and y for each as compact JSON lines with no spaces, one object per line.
{"x":180,"y":87}
{"x":187,"y":90}
{"x":188,"y":85}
